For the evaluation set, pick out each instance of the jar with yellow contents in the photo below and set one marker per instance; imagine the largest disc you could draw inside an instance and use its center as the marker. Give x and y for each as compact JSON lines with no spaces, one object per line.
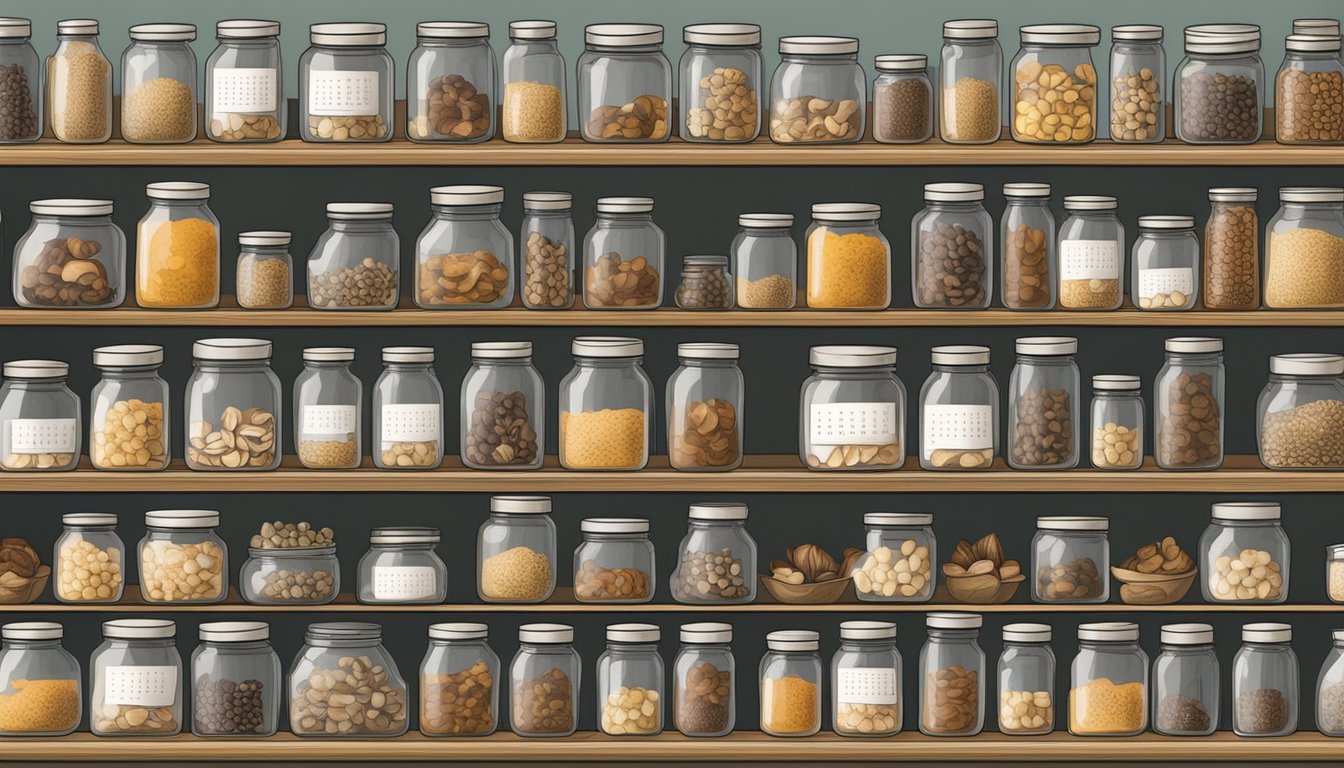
{"x":129,"y":425}
{"x":848,"y":258}
{"x":1055,"y":101}
{"x":1108,"y":695}
{"x":177,"y":248}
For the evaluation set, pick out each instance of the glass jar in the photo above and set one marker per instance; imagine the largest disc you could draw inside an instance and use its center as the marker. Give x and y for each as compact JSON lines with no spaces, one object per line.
{"x":236,"y":679}
{"x":544,"y":677}
{"x":971,"y":75}
{"x":503,"y":423}
{"x":1091,"y":254}
{"x":177,"y":248}
{"x":79,"y":85}
{"x":158,"y":85}
{"x":625,"y":84}
{"x":464,"y":256}
{"x":244,"y":83}
{"x":718,"y":557}
{"x":1334,"y":574}
{"x":1307,"y":90}
{"x":534,"y":85}
{"x":1165,"y":263}
{"x":22,"y":100}
{"x":265,"y":270}
{"x":458,"y":696}
{"x":233,"y":405}
{"x":1265,"y":681}
{"x":516,"y":551}
{"x":1138,"y":84}
{"x":791,"y":683}
{"x":952,"y":676}
{"x":72,"y":256}
{"x":959,"y":411}
{"x":623,"y":256}
{"x":630,"y":682}
{"x":898,"y":562}
{"x":39,"y":681}
{"x":1055,"y":101}
{"x":705,"y":283}
{"x":1245,"y":554}
{"x":848,"y":258}
{"x":817,"y":92}
{"x":39,"y":418}
{"x":703,"y":680}
{"x":1043,"y":403}
{"x":407,"y":411}
{"x":90,"y":559}
{"x":606,"y":405}
{"x":706,"y":408}
{"x":902,"y":99}
{"x":720,"y":74}
{"x":765,"y":261}
{"x":450,"y":83}
{"x":136,"y":676}
{"x":130,"y":421}
{"x":547,"y":237}
{"x":1301,"y":413}
{"x":338,"y":659}
{"x":182,"y":558}
{"x":1188,"y":399}
{"x":1030,"y":251}
{"x":1304,"y":244}
{"x":328,"y":409}
{"x":345,"y":84}
{"x":402,"y":568}
{"x":1026,"y":680}
{"x":953,"y":236}
{"x":290,"y":576}
{"x":1185,"y":682}
{"x":1330,"y":689}
{"x":1071,"y":557}
{"x":853,"y":410}
{"x":1232,"y":250}
{"x":1220,"y":85}
{"x":356,"y":263}
{"x":614,"y":563}
{"x":1108,"y":694}
{"x":1117,"y":422}
{"x":866,"y":680}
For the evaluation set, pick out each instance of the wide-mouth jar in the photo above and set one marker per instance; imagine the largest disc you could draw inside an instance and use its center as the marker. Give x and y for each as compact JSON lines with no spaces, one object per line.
{"x":952,"y":676}
{"x":503,"y":408}
{"x":1188,"y":403}
{"x":1220,"y":85}
{"x":290,"y":576}
{"x":1245,"y":554}
{"x":130,"y":420}
{"x":265,"y":270}
{"x":341,"y":660}
{"x":236,"y":680}
{"x":953,"y":240}
{"x":1030,"y":248}
{"x":71,"y":257}
{"x":546,"y":241}
{"x":1232,"y":250}
{"x":464,"y":255}
{"x":533,"y":71}
{"x":623,"y":256}
{"x":23,"y":71}
{"x":459,"y":682}
{"x":516,"y":551}
{"x":39,"y":418}
{"x":1026,"y":674}
{"x":1308,"y":86}
{"x":1165,"y":263}
{"x":1304,"y":246}
{"x":625,"y":84}
{"x":183,"y":559}
{"x":902,"y":99}
{"x":79,"y":85}
{"x":852,"y":410}
{"x":356,"y":263}
{"x":1108,"y":689}
{"x":1071,"y":558}
{"x":158,"y":85}
{"x":1091,"y":253}
{"x":1056,"y":96}
{"x":1301,"y":412}
{"x":959,"y":410}
{"x":630,"y":682}
{"x":1117,"y":421}
{"x":401,"y":567}
{"x":705,"y":283}
{"x":544,"y":679}
{"x":848,"y":257}
{"x":866,"y":679}
{"x":817,"y":92}
{"x":90,"y":559}
{"x":233,"y":391}
{"x":717,"y":558}
{"x":703,"y":680}
{"x":899,"y":559}
{"x":450,"y":82}
{"x":614,"y":563}
{"x":39,"y":680}
{"x":345,"y":83}
{"x":606,"y":406}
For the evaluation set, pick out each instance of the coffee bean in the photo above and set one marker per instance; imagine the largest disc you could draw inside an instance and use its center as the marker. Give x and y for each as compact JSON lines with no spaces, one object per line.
{"x":951,"y":267}
{"x":1217,"y":107}
{"x":1232,"y":258}
{"x":222,"y":707}
{"x":1043,"y":432}
{"x":901,"y":110}
{"x":500,"y":433}
{"x":18,"y":118}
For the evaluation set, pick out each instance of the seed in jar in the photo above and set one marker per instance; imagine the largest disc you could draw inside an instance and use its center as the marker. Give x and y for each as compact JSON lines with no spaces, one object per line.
{"x":951,"y":269}
{"x":298,"y":585}
{"x":1077,"y":579}
{"x":37,"y":460}
{"x":244,"y":439}
{"x":223,"y":707}
{"x":613,"y":281}
{"x":175,"y":572}
{"x":597,"y":584}
{"x":708,"y":436}
{"x":179,"y":263}
{"x":1302,"y":269}
{"x":1181,"y":714}
{"x":1092,"y":293}
{"x":369,"y":283}
{"x":66,"y":274}
{"x":866,"y":718}
{"x":901,"y":110}
{"x":951,"y":700}
{"x":1262,"y":710}
{"x":459,"y":703}
{"x":456,"y":111}
{"x":901,"y":573}
{"x":1190,"y":432}
{"x":971,"y":111}
{"x":769,"y":292}
{"x":533,"y":112}
{"x":642,"y":119}
{"x":546,"y":271}
{"x":1055,"y":103}
{"x":350,"y":698}
{"x":131,"y":438}
{"x":810,"y":119}
{"x":605,"y":439}
{"x":544,"y":704}
{"x":1026,"y":711}
{"x":35,"y":705}
{"x":264,"y":283}
{"x":18,"y":117}
{"x":500,"y":433}
{"x":632,"y":711}
{"x":161,"y":109}
{"x":317,"y":454}
{"x":704,"y":699}
{"x":1232,"y":258}
{"x":421,"y":453}
{"x":79,"y":83}
{"x":1043,"y":429}
{"x":462,"y":278}
{"x":1218,"y":107}
{"x":517,"y":573}
{"x":1252,"y":574}
{"x":848,"y":456}
{"x":1310,"y":435}
{"x":704,"y":288}
{"x":1309,"y":106}
{"x":1026,"y":268}
{"x":87,"y":572}
{"x":282,"y":535}
{"x":347,"y":127}
{"x":848,"y":271}
{"x":1136,"y":106}
{"x":107,"y":717}
{"x":708,"y":576}
{"x":728,"y":107}
{"x":1330,"y":711}
{"x":235,"y":127}
{"x":1103,"y":707}
{"x":1115,"y":446}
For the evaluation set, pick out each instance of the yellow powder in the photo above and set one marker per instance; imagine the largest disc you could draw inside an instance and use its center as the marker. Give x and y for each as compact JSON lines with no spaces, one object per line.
{"x":516,"y":574}
{"x":40,"y":705}
{"x":847,"y":271}
{"x":605,"y":439}
{"x":179,"y":264}
{"x":1102,"y":707}
{"x":788,"y":705}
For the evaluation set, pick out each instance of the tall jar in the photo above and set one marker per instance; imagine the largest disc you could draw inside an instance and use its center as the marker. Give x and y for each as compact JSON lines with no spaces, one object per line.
{"x":1056,"y":96}
{"x":328,"y":409}
{"x":1188,"y":398}
{"x":1026,"y":674}
{"x":135,"y":677}
{"x":1330,"y":689}
{"x":39,"y":681}
{"x":952,"y":676}
{"x":971,"y":77}
{"x":959,"y":411}
{"x":534,"y":106}
{"x":765,"y":261}
{"x":1220,"y":83}
{"x":183,"y":559}
{"x":703,"y":681}
{"x":817,"y":92}
{"x":954,"y":239}
{"x":790,"y":683}
{"x":902,"y":99}
{"x":130,"y":419}
{"x":544,"y":679}
{"x":177,"y":248}
{"x":464,"y":255}
{"x":1043,"y":404}
{"x":90,"y":559}
{"x":717,"y":560}
{"x":720,"y":76}
{"x":39,"y":418}
{"x":71,"y":257}
{"x":1138,"y":84}
{"x":615,"y":561}
{"x":852,"y":410}
{"x":79,"y":85}
{"x":1245,"y":554}
{"x":1117,"y":422}
{"x":1071,"y":558}
{"x":264,"y":275}
{"x":1307,"y":91}
{"x":503,"y":408}
{"x":337,"y":660}
{"x":866,"y":680}
{"x":1300,"y":413}
{"x":1091,"y":254}
{"x":407,"y":411}
{"x":848,"y":258}
{"x":625,"y":84}
{"x":450,"y":83}
{"x":516,"y":551}
{"x":459,"y":676}
{"x":233,"y":406}
{"x":235,"y":680}
{"x":1185,"y":682}
{"x":1334,"y":573}
{"x":706,"y":409}
{"x":898,"y":561}
{"x":1265,"y":681}
{"x":158,"y":85}
{"x":1165,"y":263}
{"x":401,"y":567}
{"x":1108,"y":693}
{"x":1030,"y":251}
{"x":356,"y":263}
{"x":345,"y":84}
{"x":550,"y":271}
{"x":630,"y":682}
{"x":1232,"y":250}
{"x":606,"y":405}
{"x":244,"y":83}
{"x":22,"y":100}
{"x":623,"y":256}
{"x":1304,"y":247}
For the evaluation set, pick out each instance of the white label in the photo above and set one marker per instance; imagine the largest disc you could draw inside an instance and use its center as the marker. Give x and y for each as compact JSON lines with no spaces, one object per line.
{"x":1155,"y":281}
{"x":42,"y":435}
{"x":342,"y":93}
{"x":243,"y":89}
{"x":852,"y":424}
{"x":154,"y":686}
{"x":403,"y":582}
{"x":957,"y":428}
{"x":1089,"y":260}
{"x":867,"y":685}
{"x":329,"y":419}
{"x":410,"y":423}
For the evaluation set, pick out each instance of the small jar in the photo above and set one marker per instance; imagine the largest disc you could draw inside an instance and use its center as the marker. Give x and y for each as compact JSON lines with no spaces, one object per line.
{"x":1071,"y":557}
{"x":356,"y":263}
{"x":183,"y":559}
{"x":244,"y":84}
{"x":516,"y":551}
{"x":791,"y":683}
{"x":1138,"y":84}
{"x":1304,"y":245}
{"x":1108,"y":693}
{"x":265,"y":270}
{"x":959,"y":411}
{"x":71,"y":257}
{"x":158,"y":85}
{"x":1030,"y":251}
{"x":331,"y":655}
{"x":1307,"y":89}
{"x":90,"y":559}
{"x":630,"y":682}
{"x":953,"y":237}
{"x":464,"y":255}
{"x":450,"y":83}
{"x":898,"y":562}
{"x":720,"y":76}
{"x":235,"y":676}
{"x":19,"y":65}
{"x":706,"y":409}
{"x":79,"y":85}
{"x":703,"y":680}
{"x":705,"y":283}
{"x":544,"y":678}
{"x":625,"y":84}
{"x":1117,"y":422}
{"x":615,"y":562}
{"x":1188,"y":402}
{"x":1220,"y":95}
{"x":136,"y":674}
{"x":1244,"y":554}
{"x":130,"y":419}
{"x":1185,"y":682}
{"x":290,"y":576}
{"x":407,"y":411}
{"x":817,"y":92}
{"x":1232,"y":250}
{"x":1043,"y":403}
{"x":1091,"y":254}
{"x":971,"y":76}
{"x":503,"y":416}
{"x":623,"y":256}
{"x":606,"y":405}
{"x":402,"y":568}
{"x":853,"y":410}
{"x":232,"y":390}
{"x":902,"y":99}
{"x":1301,"y":413}
{"x":458,"y":696}
{"x":866,"y":680}
{"x":765,"y":261}
{"x":328,"y":409}
{"x":717,"y":557}
{"x":1330,"y":689}
{"x":1165,"y":263}
{"x":1053,"y":69}
{"x":43,"y":681}
{"x":345,"y":84}
{"x":39,"y":418}
{"x":550,"y":272}
{"x":534,"y":85}
{"x":177,"y":248}
{"x":848,"y":258}
{"x":952,"y":676}
{"x":1265,"y":681}
{"x":1026,"y":681}
{"x":1334,"y":573}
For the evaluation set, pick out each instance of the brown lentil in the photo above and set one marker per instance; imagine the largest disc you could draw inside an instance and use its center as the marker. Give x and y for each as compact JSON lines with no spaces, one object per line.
{"x":1217,"y":107}
{"x":704,"y":287}
{"x":1190,"y":431}
{"x":1232,"y":258}
{"x":1309,"y":107}
{"x":951,"y":267}
{"x":544,"y":704}
{"x":901,"y":110}
{"x":1043,"y":432}
{"x":1182,"y":714}
{"x":1262,"y":710}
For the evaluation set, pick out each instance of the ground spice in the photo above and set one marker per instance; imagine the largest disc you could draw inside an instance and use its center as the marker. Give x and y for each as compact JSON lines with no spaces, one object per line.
{"x":518,"y":573}
{"x":704,"y":699}
{"x":1182,"y":714}
{"x":902,"y":111}
{"x":1330,"y":709}
{"x":1303,"y":269}
{"x":264,"y":283}
{"x":1263,"y":710}
{"x":533,"y":112}
{"x":769,"y":292}
{"x":162,"y":109}
{"x":788,"y":705}
{"x":605,"y":439}
{"x":40,"y":705}
{"x":847,"y":271}
{"x":1102,"y":707}
{"x":179,"y":264}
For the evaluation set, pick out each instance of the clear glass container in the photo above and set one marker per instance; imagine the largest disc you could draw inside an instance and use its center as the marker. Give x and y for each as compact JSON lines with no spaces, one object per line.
{"x":1185,"y":682}
{"x":705,"y":283}
{"x":177,"y":248}
{"x":765,"y":261}
{"x":22,"y":72}
{"x":1164,"y":264}
{"x":866,"y":680}
{"x":1330,"y":689}
{"x":703,"y":680}
{"x":615,"y":561}
{"x":625,"y":84}
{"x":345,"y":84}
{"x":817,"y":92}
{"x":328,"y":409}
{"x":503,"y":412}
{"x":290,"y":576}
{"x":852,"y":410}
{"x":265,"y":270}
{"x":236,"y":681}
{"x":233,"y":406}
{"x":534,"y":106}
{"x":550,"y":272}
{"x":90,"y":559}
{"x":1300,"y":413}
{"x":1304,"y":245}
{"x":1091,"y":254}
{"x":630,"y":682}
{"x":959,"y":411}
{"x":130,"y":419}
{"x":952,"y":676}
{"x":848,"y":258}
{"x":39,"y":681}
{"x":970,"y":78}
{"x":902,"y":99}
{"x":464,"y":255}
{"x":1334,"y":575}
{"x":136,"y":680}
{"x":458,"y":695}
{"x":623,"y":256}
{"x":356,"y":263}
{"x":516,"y":551}
{"x":1026,"y":675}
{"x":407,"y":411}
{"x":72,"y":256}
{"x":183,"y":559}
{"x":1030,"y":250}
{"x":1232,"y":250}
{"x":79,"y":85}
{"x":1188,"y":398}
{"x":1043,"y":403}
{"x":1071,"y":557}
{"x":1117,"y":422}
{"x":953,"y":237}
{"x":544,"y":680}
{"x":1055,"y":100}
{"x":158,"y":85}
{"x":790,"y":683}
{"x":342,"y":660}
{"x":402,"y":568}
{"x":1138,"y":84}
{"x":1307,"y":91}
{"x":1108,"y":693}
{"x":39,"y":418}
{"x":1245,"y":554}
{"x":1220,"y":85}
{"x":1265,"y":681}
{"x":706,"y":408}
{"x":606,"y":405}
{"x":717,"y":556}
{"x":244,"y":83}
{"x":720,"y":79}
{"x":450,"y":83}
{"x":898,"y":562}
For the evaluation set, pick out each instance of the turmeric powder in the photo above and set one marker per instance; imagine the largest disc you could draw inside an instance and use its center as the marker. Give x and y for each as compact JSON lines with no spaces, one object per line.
{"x":40,"y":706}
{"x":1103,"y":708}
{"x":789,"y":705}
{"x":178,"y":264}
{"x":847,"y":271}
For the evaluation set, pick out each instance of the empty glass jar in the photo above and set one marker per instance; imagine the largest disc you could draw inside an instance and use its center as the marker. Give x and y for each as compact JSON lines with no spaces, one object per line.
{"x":970,"y":78}
{"x":818,"y":91}
{"x":177,"y":248}
{"x":1043,"y":404}
{"x":1055,"y":101}
{"x":902,"y":99}
{"x":1301,"y":411}
{"x":129,"y":419}
{"x":90,"y":562}
{"x":1245,"y":554}
{"x":1188,"y":402}
{"x":345,"y":84}
{"x":1304,"y":246}
{"x":1091,"y":253}
{"x":23,"y":97}
{"x":1026,"y":674}
{"x":235,"y":680}
{"x":1108,"y":693}
{"x":39,"y":418}
{"x":959,"y":411}
{"x":703,"y":680}
{"x":790,"y":683}
{"x":459,"y":682}
{"x":136,"y":676}
{"x":401,"y":567}
{"x":244,"y":83}
{"x":866,"y":680}
{"x":534,"y":110}
{"x":852,"y":410}
{"x":71,"y":257}
{"x":606,"y":405}
{"x":356,"y":263}
{"x":464,"y":256}
{"x":1117,"y":422}
{"x":623,"y":256}
{"x":952,"y":676}
{"x":765,"y":261}
{"x":706,"y":408}
{"x":183,"y":559}
{"x":328,"y":408}
{"x":544,"y":680}
{"x":1330,"y":689}
{"x":625,"y":84}
{"x":503,"y":408}
{"x":516,"y":551}
{"x":630,"y":682}
{"x":233,"y":406}
{"x":39,"y":681}
{"x":720,"y":78}
{"x":550,"y":269}
{"x":848,"y":258}
{"x":705,"y":283}
{"x":290,"y":576}
{"x":1165,"y":263}
{"x":158,"y":85}
{"x":1030,"y":250}
{"x":1185,"y":682}
{"x":79,"y":85}
{"x":1138,"y":84}
{"x":953,"y":237}
{"x":1232,"y":250}
{"x":1071,"y":557}
{"x":407,"y":411}
{"x":1265,"y":681}
{"x":450,"y":83}
{"x":717,"y":560}
{"x":898,"y":561}
{"x":615,"y":561}
{"x":1304,"y":112}
{"x":1220,"y":85}
{"x":339,"y":660}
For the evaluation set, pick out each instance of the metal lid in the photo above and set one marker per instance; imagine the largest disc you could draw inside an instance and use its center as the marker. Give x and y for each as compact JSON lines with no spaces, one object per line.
{"x":704,"y":261}
{"x":793,"y":640}
{"x":718,"y":510}
{"x":404,"y":535}
{"x":1137,"y":32}
{"x":1194,"y":344}
{"x":953,"y":192}
{"x":846,"y":211}
{"x":1308,"y":364}
{"x":1187,"y":634}
{"x":466,"y":194}
{"x":1166,"y":222}
{"x":329,"y":354}
{"x":139,"y":629}
{"x":351,"y":34}
{"x":970,"y":29}
{"x":77,"y":27}
{"x":623,"y":35}
{"x":1315,"y":26}
{"x":1233,"y":194}
{"x":722,"y":34}
{"x":231,"y":349}
{"x":36,"y":369}
{"x":453,"y":30}
{"x":1072,"y":523}
{"x":1109,"y":631}
{"x":521,"y":505}
{"x":633,"y":633}
{"x":78,"y":519}
{"x":1027,"y":633}
{"x":867,"y":630}
{"x":1026,"y":189}
{"x":265,"y":237}
{"x":408,"y":354}
{"x":1047,"y":346}
{"x":614,"y":525}
{"x":246,"y":28}
{"x":706,"y":632}
{"x":1266,"y":632}
{"x":545,"y":633}
{"x":897,"y":518}
{"x":177,"y":190}
{"x":128,"y":355}
{"x":606,"y":346}
{"x":1247,"y":510}
{"x":1337,"y":635}
{"x":1311,"y":195}
{"x":501,"y":350}
{"x":1060,"y":34}
{"x":182,"y":518}
{"x":547,"y":201}
{"x":901,"y":62}
{"x":32,"y":630}
{"x":818,"y":45}
{"x":953,"y":620}
{"x":458,"y":631}
{"x":532,"y":29}
{"x":1116,"y":382}
{"x":852,"y":356}
{"x":765,"y":220}
{"x":71,"y":206}
{"x":1222,"y":38}
{"x":960,"y":354}
{"x":1335,"y":551}
{"x":624,"y":204}
{"x":13,"y":27}
{"x":359,"y":211}
{"x":235,"y":631}
{"x":1311,"y":43}
{"x":344,"y":630}
{"x":1090,"y":203}
{"x":165,"y":33}
{"x":707,"y":351}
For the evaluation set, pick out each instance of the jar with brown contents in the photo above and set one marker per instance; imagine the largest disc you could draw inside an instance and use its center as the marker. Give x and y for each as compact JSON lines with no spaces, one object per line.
{"x":516,"y":559}
{"x":623,"y":256}
{"x":720,"y":78}
{"x":72,"y":256}
{"x":344,"y":683}
{"x":705,"y":283}
{"x":328,"y":404}
{"x":1220,"y":85}
{"x":450,"y":82}
{"x":625,"y":84}
{"x":1056,"y":97}
{"x":902,"y":100}
{"x":1043,"y":404}
{"x":818,"y":91}
{"x":459,"y":695}
{"x":1091,"y":254}
{"x":953,"y":255}
{"x":1030,"y":251}
{"x":550,"y":266}
{"x":1304,"y":244}
{"x":1188,"y":405}
{"x":1301,"y":412}
{"x":503,"y":407}
{"x":1232,"y":250}
{"x":952,"y":676}
{"x":1071,"y":557}
{"x":232,"y":406}
{"x":971,"y":78}
{"x":464,"y":255}
{"x":765,"y":261}
{"x":356,"y":263}
{"x":129,"y":425}
{"x":544,"y":679}
{"x":705,"y":408}
{"x":1309,"y":91}
{"x":702,"y":680}
{"x":265,"y":273}
{"x":1138,"y":82}
{"x":615,"y":561}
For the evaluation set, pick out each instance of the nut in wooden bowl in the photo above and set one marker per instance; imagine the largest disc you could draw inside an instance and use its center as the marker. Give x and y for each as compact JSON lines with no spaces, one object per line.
{"x":1157,"y":574}
{"x":23,"y":577}
{"x":979,"y":573}
{"x":810,"y":576}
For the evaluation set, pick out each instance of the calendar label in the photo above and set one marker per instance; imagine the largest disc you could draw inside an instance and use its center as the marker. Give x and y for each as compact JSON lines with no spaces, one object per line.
{"x":329,"y":419}
{"x":150,"y":686}
{"x":867,"y":685}
{"x":1155,"y":281}
{"x":403,"y":582}
{"x":42,"y":435}
{"x":1089,"y":260}
{"x":243,"y":89}
{"x":852,"y":424}
{"x":410,"y":423}
{"x":957,"y":427}
{"x":343,"y":93}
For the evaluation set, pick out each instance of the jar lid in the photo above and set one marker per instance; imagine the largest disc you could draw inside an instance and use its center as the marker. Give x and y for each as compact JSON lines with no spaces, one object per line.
{"x":246,"y":28}
{"x":32,"y":630}
{"x":359,"y":211}
{"x":404,"y":535}
{"x":623,"y":35}
{"x":532,"y":30}
{"x":88,"y":518}
{"x":1335,"y":551}
{"x":1311,"y":195}
{"x":1337,"y":635}
{"x":12,"y":27}
{"x":1109,"y":631}
{"x":1090,"y":203}
{"x":344,"y":630}
{"x":614,"y":525}
{"x":1247,"y":510}
{"x":897,"y":518}
{"x":36,"y":369}
{"x":1222,"y":38}
{"x":722,"y":34}
{"x":901,"y":62}
{"x":466,"y":194}
{"x":182,"y":518}
{"x":458,"y":631}
{"x":291,"y":553}
{"x":793,"y":640}
{"x":352,"y":34}
{"x":624,"y":204}
{"x":718,"y":510}
{"x":1311,"y":43}
{"x":1060,"y":34}
{"x":408,"y":354}
{"x":545,"y":633}
{"x":852,"y":356}
{"x":1315,"y":26}
{"x":1027,"y":633}
{"x":1047,"y":346}
{"x":1026,"y":189}
{"x":970,"y":29}
{"x":231,"y":349}
{"x":128,"y":355}
{"x":1072,"y":523}
{"x":867,"y":630}
{"x":953,"y":620}
{"x":765,"y":220}
{"x":606,"y":346}
{"x":329,"y":354}
{"x":77,"y":27}
{"x":164,"y":32}
{"x":704,"y":261}
{"x":547,"y":201}
{"x":633,"y":633}
{"x":453,"y":30}
{"x":961,"y":354}
{"x":846,"y":211}
{"x":139,"y":629}
{"x":1116,"y":382}
{"x":521,"y":505}
{"x":706,"y":350}
{"x":1194,"y":344}
{"x":71,"y":206}
{"x":1233,"y":194}
{"x":1166,"y":222}
{"x":953,"y":192}
{"x":501,"y":350}
{"x":1308,"y":364}
{"x":235,"y":631}
{"x":265,"y":237}
{"x":177,"y":190}
{"x":1187,"y":634}
{"x":1266,"y":632}
{"x":818,"y":45}
{"x":1137,"y":32}
{"x":706,"y":632}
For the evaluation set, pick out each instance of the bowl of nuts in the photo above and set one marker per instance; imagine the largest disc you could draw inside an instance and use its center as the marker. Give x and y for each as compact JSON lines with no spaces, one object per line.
{"x":979,"y":573}
{"x":22,"y":574}
{"x":1157,"y":574}
{"x":809,"y":575}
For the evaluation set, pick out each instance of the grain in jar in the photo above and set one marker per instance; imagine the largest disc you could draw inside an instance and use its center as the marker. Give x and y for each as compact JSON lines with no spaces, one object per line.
{"x":450,"y":82}
{"x":1030,"y":251}
{"x":345,"y":84}
{"x":1301,"y":412}
{"x":244,"y":83}
{"x":1304,"y":244}
{"x":720,"y":78}
{"x":1108,"y":694}
{"x":765,"y":261}
{"x":544,"y":680}
{"x":1056,"y":96}
{"x":177,"y":248}
{"x":848,"y":258}
{"x":1232,"y":250}
{"x":790,"y":684}
{"x":866,"y":680}
{"x":630,"y":682}
{"x":459,"y":682}
{"x":625,"y":84}
{"x":1219,"y":85}
{"x":953,"y":254}
{"x":533,"y":72}
{"x":606,"y":406}
{"x":40,"y":682}
{"x":817,"y":92}
{"x":129,"y":425}
{"x":1309,"y":91}
{"x":20,"y":78}
{"x":90,"y":559}
{"x":970,"y":79}
{"x":1138,"y":84}
{"x":1091,"y":253}
{"x":952,"y":676}
{"x":516,"y":551}
{"x":265,"y":270}
{"x":158,"y":86}
{"x":328,"y":403}
{"x":79,"y":85}
{"x":1185,"y":682}
{"x":1266,"y":681}
{"x":902,"y":99}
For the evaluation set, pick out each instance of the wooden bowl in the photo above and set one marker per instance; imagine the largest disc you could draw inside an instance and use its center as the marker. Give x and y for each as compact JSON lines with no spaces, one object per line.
{"x":806,"y":594}
{"x":984,"y":589}
{"x":26,"y":590}
{"x":1152,"y":588}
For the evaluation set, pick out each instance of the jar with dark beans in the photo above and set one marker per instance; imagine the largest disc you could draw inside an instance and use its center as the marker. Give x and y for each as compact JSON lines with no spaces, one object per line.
{"x":1219,"y":85}
{"x":223,"y":707}
{"x":1309,"y":91}
{"x":503,"y":399}
{"x":1189,"y":395}
{"x":1231,"y":250}
{"x":902,"y":100}
{"x":1043,"y":404}
{"x":952,"y":266}
{"x":500,"y":433}
{"x":705,"y":283}
{"x":19,"y":79}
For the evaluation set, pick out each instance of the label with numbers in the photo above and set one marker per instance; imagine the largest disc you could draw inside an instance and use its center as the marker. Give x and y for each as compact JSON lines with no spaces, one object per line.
{"x":853,"y":423}
{"x":1089,"y":260}
{"x":42,"y":435}
{"x":410,"y":423}
{"x":958,"y":428}
{"x":867,"y":685}
{"x":150,"y":686}
{"x":342,"y":93}
{"x":1155,"y":281}
{"x":403,"y":582}
{"x":243,"y":89}
{"x":329,"y":419}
